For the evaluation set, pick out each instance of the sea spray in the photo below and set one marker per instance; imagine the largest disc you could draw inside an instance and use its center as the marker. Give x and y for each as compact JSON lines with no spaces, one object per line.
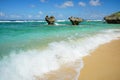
{"x":25,"y":65}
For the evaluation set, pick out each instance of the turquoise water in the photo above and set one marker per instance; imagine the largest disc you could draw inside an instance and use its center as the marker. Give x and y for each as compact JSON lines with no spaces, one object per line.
{"x":32,"y":35}
{"x":22,"y":41}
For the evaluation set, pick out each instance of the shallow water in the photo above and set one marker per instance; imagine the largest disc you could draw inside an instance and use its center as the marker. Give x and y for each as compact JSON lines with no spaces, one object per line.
{"x":29,"y":49}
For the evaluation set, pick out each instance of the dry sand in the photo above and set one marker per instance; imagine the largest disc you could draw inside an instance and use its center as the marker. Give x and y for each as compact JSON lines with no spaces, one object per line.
{"x":103,"y":63}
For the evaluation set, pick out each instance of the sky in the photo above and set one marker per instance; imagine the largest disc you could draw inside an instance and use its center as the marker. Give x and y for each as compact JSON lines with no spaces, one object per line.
{"x":61,"y":9}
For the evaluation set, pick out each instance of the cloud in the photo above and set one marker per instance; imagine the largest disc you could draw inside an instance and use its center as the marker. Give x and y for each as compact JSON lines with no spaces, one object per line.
{"x":82,"y":4}
{"x":2,"y":14}
{"x":66,"y":4}
{"x":95,"y":2}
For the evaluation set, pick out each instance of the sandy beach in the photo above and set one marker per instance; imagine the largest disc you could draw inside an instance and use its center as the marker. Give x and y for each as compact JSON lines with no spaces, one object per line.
{"x":103,"y":63}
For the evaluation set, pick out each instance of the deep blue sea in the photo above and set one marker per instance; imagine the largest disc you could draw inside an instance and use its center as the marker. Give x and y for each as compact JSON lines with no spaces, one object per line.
{"x":32,"y":48}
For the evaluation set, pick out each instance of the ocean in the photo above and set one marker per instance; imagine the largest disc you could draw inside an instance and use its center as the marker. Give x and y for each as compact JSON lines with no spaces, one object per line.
{"x":33,"y":50}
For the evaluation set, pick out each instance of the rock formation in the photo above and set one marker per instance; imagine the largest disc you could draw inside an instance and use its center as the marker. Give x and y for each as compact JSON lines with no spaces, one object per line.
{"x":50,"y":20}
{"x":114,"y":18}
{"x":75,"y":20}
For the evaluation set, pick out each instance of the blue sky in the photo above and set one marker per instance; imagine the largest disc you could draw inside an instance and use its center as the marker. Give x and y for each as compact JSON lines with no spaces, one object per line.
{"x":61,"y":9}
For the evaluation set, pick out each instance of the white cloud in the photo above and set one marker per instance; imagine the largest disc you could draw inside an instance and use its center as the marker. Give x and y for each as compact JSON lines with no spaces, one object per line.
{"x":82,"y":4}
{"x":2,"y":14}
{"x":95,"y":2}
{"x":67,"y":4}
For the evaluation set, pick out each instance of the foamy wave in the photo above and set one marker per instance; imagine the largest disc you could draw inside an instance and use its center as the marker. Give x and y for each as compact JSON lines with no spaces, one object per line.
{"x":5,"y":21}
{"x":94,"y":20}
{"x":59,"y":24}
{"x":22,"y":21}
{"x":24,"y":65}
{"x":61,"y":20}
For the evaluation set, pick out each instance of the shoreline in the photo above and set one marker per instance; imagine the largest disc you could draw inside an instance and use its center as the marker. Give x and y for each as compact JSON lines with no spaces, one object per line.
{"x":103,"y":63}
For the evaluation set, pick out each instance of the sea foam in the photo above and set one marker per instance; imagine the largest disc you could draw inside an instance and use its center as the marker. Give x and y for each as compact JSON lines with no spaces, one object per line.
{"x":24,"y":65}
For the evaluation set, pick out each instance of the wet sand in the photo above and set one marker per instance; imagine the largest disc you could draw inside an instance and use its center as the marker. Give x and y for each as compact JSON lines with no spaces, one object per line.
{"x":103,"y":63}
{"x":65,"y":72}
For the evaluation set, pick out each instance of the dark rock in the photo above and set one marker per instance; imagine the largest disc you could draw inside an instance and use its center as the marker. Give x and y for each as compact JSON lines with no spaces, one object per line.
{"x":50,"y":20}
{"x":75,"y":20}
{"x":114,"y":18}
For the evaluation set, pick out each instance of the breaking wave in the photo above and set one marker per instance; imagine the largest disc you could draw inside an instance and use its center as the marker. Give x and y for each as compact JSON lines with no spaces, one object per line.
{"x":24,"y":65}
